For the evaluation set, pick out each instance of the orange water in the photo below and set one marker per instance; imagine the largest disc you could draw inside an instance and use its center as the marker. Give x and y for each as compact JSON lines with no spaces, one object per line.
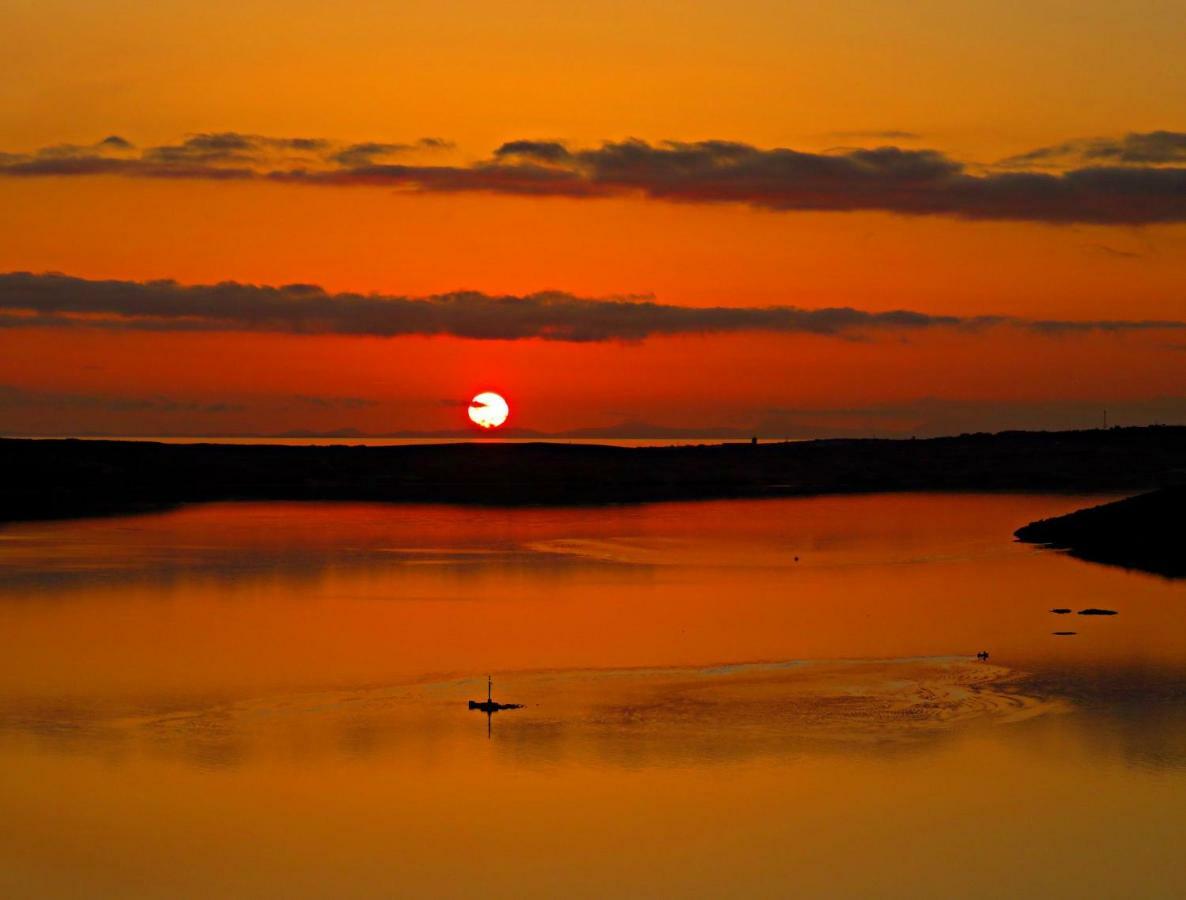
{"x":269,"y":700}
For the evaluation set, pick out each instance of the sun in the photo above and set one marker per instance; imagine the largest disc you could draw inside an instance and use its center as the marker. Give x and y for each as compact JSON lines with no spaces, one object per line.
{"x":488,"y":410}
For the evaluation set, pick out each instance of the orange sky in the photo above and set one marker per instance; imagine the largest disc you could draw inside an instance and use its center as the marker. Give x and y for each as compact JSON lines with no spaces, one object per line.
{"x":978,"y":82}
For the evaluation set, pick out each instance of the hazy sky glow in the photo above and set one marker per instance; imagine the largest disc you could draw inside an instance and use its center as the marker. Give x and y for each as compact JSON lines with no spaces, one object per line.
{"x":869,"y":217}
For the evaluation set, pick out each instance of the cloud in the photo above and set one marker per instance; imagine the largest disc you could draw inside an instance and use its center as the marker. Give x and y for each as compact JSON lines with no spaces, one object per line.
{"x":12,"y":397}
{"x":1111,"y":252}
{"x":541,"y":151}
{"x":232,"y":147}
{"x":205,"y":155}
{"x":369,"y":152}
{"x":334,"y":402}
{"x":52,"y":300}
{"x":1136,"y":148}
{"x":888,"y":135}
{"x":1124,"y":181}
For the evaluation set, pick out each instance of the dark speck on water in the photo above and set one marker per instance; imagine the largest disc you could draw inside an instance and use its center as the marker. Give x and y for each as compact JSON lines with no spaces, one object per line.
{"x":1061,"y":610}
{"x":1064,"y":633}
{"x":1097,"y":612}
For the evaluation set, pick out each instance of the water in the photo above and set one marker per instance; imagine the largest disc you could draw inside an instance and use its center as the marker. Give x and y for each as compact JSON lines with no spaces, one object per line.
{"x":270,"y":700}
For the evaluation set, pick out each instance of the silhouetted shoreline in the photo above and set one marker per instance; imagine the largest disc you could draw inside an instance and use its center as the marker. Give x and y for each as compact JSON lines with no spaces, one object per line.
{"x":42,"y":479}
{"x":1143,"y":532}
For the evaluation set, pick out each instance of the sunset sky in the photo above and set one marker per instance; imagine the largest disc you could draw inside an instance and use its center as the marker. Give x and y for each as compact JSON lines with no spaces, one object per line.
{"x":785,"y":218}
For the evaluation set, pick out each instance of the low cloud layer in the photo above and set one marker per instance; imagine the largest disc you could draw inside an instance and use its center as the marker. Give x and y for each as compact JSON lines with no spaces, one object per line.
{"x":1136,"y":179}
{"x":16,"y":400}
{"x":13,"y":397}
{"x":60,"y":301}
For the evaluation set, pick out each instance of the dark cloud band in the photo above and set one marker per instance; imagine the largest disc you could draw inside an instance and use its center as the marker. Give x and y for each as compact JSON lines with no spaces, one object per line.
{"x":1137,"y":179}
{"x":52,"y":300}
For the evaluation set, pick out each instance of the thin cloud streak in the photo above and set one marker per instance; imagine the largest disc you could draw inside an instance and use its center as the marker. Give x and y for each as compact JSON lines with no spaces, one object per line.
{"x":14,"y":397}
{"x":885,"y":135}
{"x":60,"y":301}
{"x":1123,"y":181}
{"x":1136,"y":148}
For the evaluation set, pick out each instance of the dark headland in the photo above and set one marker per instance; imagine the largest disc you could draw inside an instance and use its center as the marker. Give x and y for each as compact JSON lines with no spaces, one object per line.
{"x":65,"y":478}
{"x":1145,"y":532}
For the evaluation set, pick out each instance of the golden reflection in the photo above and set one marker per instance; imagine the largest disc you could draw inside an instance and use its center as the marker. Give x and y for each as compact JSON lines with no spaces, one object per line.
{"x":231,"y":600}
{"x":719,"y":698}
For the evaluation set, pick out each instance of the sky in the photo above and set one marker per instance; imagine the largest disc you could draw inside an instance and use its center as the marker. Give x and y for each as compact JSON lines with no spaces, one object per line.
{"x":781,"y":218}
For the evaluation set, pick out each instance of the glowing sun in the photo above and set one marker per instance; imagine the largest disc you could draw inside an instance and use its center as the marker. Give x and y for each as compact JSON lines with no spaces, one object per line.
{"x":488,"y":410}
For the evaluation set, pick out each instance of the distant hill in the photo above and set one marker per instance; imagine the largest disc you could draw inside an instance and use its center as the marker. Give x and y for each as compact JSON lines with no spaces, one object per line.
{"x":647,"y":431}
{"x":56,"y":478}
{"x":1144,"y":532}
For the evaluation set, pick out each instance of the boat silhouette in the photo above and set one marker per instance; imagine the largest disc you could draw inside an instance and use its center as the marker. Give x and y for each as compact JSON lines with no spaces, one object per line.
{"x":490,"y":705}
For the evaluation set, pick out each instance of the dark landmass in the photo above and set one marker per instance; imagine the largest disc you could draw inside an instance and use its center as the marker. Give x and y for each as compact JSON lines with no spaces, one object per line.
{"x":1062,"y":611}
{"x":1097,"y":612}
{"x":1144,"y":532}
{"x":647,"y":431}
{"x":1064,"y":633}
{"x":66,"y":478}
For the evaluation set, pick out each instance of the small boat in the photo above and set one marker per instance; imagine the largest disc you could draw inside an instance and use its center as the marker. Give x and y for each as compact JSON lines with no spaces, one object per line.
{"x":489,"y":705}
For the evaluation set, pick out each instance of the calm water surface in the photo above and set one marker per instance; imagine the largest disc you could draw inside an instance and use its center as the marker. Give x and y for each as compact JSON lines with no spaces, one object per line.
{"x":739,"y":698}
